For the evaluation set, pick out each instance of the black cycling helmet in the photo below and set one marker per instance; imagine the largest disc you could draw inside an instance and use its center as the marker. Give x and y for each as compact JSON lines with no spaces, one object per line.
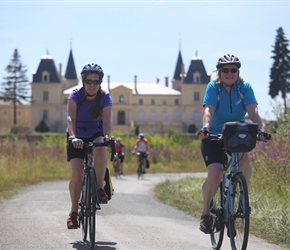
{"x":93,"y":68}
{"x":228,"y":59}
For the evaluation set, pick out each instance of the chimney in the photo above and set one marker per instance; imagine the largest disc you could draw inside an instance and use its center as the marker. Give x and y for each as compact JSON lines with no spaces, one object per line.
{"x":135,"y":84}
{"x":166,"y":81}
{"x":60,"y":71}
{"x":60,"y":68}
{"x":109,"y":90}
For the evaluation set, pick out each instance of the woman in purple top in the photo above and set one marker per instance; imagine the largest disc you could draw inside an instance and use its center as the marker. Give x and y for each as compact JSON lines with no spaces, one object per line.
{"x":89,"y":119}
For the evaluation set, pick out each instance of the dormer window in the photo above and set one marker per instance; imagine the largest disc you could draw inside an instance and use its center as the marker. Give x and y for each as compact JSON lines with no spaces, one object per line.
{"x":196,"y":77}
{"x":45,"y":76}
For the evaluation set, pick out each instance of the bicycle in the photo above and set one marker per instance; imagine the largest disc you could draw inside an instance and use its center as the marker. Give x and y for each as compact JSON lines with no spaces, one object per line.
{"x":117,"y":166}
{"x":141,"y":166}
{"x":89,"y":203}
{"x":230,"y":205}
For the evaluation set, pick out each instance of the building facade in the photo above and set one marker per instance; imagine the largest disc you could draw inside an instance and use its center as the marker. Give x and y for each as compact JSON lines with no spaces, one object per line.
{"x":153,"y":107}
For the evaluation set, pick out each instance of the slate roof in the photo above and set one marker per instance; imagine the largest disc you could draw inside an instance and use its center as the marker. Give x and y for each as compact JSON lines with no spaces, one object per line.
{"x":196,"y":65}
{"x":178,"y":67}
{"x":70,"y":73}
{"x":142,"y":88}
{"x":46,"y":64}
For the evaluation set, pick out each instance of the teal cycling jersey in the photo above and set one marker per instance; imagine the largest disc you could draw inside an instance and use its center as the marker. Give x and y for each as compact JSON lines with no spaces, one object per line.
{"x":228,"y":107}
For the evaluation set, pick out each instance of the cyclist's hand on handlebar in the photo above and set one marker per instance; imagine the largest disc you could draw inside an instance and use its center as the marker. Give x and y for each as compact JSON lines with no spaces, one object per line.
{"x":263,"y":136}
{"x":203,"y":133}
{"x":106,"y":139}
{"x":77,"y":143}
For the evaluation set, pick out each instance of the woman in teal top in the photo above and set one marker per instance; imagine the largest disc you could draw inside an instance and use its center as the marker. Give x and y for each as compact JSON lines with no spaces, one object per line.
{"x":227,"y":98}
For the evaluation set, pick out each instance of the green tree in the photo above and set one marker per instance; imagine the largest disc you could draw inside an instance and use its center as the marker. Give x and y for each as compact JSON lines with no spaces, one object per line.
{"x":280,"y":71}
{"x":15,"y":84}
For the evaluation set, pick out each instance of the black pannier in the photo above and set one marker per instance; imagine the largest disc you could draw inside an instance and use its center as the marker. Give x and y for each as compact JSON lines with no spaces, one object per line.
{"x":240,"y":136}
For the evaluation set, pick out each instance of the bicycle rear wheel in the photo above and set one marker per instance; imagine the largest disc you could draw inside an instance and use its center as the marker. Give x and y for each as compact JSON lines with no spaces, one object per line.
{"x":216,"y":214}
{"x":92,"y":202}
{"x":239,"y":220}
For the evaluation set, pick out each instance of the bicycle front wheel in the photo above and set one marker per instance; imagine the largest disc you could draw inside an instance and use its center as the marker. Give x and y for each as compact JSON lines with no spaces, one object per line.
{"x":92,"y":200}
{"x":83,"y":216}
{"x":139,"y":170}
{"x":216,"y":213}
{"x":239,"y":220}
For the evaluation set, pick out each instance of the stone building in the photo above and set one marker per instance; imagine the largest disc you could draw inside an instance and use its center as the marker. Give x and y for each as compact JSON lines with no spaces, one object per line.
{"x":153,"y":107}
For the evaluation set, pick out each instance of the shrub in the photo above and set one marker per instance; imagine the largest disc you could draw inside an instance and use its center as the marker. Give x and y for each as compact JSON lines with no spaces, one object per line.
{"x":191,"y":128}
{"x":42,"y":127}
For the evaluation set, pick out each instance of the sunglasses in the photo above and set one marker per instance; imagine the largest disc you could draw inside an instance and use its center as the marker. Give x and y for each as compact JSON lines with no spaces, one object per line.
{"x":232,"y":70}
{"x":95,"y":82}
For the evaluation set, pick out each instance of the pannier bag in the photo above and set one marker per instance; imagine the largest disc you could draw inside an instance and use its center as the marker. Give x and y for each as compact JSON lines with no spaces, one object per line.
{"x":108,"y":184}
{"x":240,"y":136}
{"x":147,"y":163}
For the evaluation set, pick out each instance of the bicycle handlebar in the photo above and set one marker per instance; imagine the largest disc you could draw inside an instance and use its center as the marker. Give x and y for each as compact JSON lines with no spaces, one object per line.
{"x":109,"y":143}
{"x":219,"y":137}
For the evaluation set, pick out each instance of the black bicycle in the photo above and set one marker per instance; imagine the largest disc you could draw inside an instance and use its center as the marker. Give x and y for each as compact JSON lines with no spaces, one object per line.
{"x":230,"y":205}
{"x":89,"y":202}
{"x":117,"y":166}
{"x":141,"y":165}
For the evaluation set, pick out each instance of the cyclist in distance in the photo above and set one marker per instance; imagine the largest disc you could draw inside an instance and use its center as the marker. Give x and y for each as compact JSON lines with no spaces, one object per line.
{"x":227,"y":98}
{"x":141,"y":146}
{"x":89,"y":119}
{"x":120,"y":150}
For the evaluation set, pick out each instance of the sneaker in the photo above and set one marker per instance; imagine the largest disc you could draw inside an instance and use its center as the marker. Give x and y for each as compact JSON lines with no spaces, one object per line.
{"x":205,"y":224}
{"x":72,"y":220}
{"x":102,"y":196}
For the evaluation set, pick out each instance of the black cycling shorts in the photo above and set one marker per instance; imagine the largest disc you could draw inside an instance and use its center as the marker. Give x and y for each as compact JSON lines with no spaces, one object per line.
{"x":79,"y":153}
{"x":212,"y":151}
{"x":121,"y":157}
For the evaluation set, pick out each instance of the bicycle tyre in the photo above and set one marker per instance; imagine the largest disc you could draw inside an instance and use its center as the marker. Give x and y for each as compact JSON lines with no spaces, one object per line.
{"x":92,"y":207}
{"x":83,"y":209}
{"x":218,"y":226}
{"x":139,"y":170}
{"x":239,"y":220}
{"x":117,"y":169}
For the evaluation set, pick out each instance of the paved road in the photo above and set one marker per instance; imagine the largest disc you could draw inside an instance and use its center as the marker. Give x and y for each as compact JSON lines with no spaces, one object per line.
{"x":133,"y":219}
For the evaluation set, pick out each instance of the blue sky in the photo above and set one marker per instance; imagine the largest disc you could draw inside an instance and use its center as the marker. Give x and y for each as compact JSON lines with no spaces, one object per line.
{"x":143,"y":38}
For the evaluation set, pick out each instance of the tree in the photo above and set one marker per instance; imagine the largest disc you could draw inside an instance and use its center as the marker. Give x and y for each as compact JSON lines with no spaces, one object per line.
{"x":15,"y":86}
{"x":280,"y":71}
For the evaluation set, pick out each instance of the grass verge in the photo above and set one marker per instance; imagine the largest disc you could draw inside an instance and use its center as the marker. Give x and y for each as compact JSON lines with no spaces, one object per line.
{"x":269,"y":218}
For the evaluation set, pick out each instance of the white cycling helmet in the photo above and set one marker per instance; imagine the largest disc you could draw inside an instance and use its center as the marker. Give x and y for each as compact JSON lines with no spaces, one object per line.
{"x":228,"y":59}
{"x":141,"y":135}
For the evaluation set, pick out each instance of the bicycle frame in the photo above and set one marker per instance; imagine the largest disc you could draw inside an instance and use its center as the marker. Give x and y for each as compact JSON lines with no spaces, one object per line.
{"x":233,"y":166}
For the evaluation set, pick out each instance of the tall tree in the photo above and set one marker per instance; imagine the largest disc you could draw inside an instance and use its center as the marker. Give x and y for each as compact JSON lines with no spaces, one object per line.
{"x":15,"y":84}
{"x":280,"y":71}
